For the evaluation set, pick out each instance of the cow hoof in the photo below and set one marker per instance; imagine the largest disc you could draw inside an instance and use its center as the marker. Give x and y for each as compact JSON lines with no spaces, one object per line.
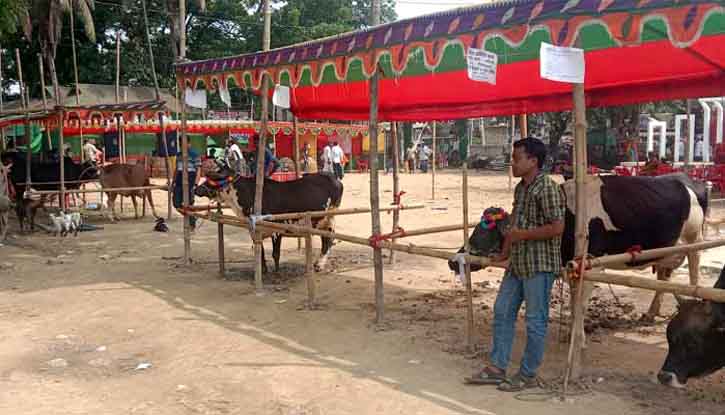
{"x":647,"y":318}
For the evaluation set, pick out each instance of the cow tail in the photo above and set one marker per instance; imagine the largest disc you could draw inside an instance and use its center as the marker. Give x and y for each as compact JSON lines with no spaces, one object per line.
{"x":336,"y":199}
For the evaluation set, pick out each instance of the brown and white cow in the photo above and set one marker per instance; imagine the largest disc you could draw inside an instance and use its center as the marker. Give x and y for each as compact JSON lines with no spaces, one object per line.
{"x":116,"y":176}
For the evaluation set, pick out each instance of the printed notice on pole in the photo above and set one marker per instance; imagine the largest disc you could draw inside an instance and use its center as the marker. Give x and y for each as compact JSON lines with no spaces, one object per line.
{"x":482,"y":65}
{"x":562,"y":64}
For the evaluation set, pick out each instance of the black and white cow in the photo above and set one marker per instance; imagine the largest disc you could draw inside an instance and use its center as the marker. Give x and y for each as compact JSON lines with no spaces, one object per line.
{"x":312,"y":192}
{"x":627,"y":213}
{"x":696,"y":339}
{"x":642,"y":213}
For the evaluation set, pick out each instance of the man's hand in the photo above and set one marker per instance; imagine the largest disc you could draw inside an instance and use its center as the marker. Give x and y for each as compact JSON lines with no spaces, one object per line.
{"x":517,"y":235}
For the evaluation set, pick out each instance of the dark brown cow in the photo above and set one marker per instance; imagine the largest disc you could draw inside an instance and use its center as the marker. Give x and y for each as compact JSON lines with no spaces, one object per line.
{"x":116,"y":176}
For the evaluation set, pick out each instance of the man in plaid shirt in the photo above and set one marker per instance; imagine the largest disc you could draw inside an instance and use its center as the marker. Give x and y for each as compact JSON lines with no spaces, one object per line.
{"x":532,"y":247}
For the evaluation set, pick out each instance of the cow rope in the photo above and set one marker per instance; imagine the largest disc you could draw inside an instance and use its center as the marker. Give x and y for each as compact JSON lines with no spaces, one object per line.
{"x":253,"y":219}
{"x":375,"y":240}
{"x":460,"y":258}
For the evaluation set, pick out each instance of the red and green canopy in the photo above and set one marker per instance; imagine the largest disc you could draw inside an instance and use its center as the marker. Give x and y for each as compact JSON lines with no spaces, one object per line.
{"x":636,"y":51}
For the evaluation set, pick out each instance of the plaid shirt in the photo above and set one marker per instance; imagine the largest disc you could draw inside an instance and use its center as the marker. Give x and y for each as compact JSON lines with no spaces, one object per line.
{"x":540,"y":203}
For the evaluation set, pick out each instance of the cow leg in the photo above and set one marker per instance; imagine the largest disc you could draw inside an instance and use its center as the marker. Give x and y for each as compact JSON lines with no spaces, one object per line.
{"x":112,"y":206}
{"x":135,"y":206}
{"x":148,"y":195}
{"x":324,"y":251}
{"x":663,"y":274}
{"x":264,"y":261}
{"x":693,"y":264}
{"x":276,"y":249}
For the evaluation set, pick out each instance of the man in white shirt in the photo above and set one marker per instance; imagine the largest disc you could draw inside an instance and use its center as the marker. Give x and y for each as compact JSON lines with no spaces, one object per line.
{"x":234,"y":156}
{"x":424,"y":156}
{"x":337,"y":156}
{"x":91,"y":152}
{"x":327,"y":158}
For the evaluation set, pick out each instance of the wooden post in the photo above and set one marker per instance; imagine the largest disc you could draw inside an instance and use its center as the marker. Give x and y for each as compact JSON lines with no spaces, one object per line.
{"x":169,"y":190}
{"x":26,"y":126}
{"x":185,"y":183}
{"x":118,"y":66}
{"x":469,"y":284}
{"x":42,"y":81}
{"x":433,"y":165}
{"x":151,"y":51}
{"x":261,"y":152}
{"x":45,"y":98}
{"x":581,"y":233}
{"x":61,"y":116}
{"x":309,"y":274}
{"x":524,"y":125}
{"x":511,"y":154}
{"x":2,"y":130}
{"x":374,"y":195}
{"x":23,"y":103}
{"x":220,"y":245}
{"x":396,"y":182}
{"x":296,"y":155}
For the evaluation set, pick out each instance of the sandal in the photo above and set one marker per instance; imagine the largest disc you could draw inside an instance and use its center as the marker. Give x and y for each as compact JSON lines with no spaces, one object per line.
{"x":518,"y":383}
{"x":487,"y":376}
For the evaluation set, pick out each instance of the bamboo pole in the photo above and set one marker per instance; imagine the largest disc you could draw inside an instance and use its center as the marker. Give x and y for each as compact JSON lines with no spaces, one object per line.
{"x":220,"y":246}
{"x":62,"y":161}
{"x":185,"y":183}
{"x":75,"y":74}
{"x":437,"y":229}
{"x":524,"y":125}
{"x":296,"y":155}
{"x":118,"y":66}
{"x":467,"y":266}
{"x":651,"y":254}
{"x":42,"y":81}
{"x":25,"y":105}
{"x":339,"y":212}
{"x":259,"y":188}
{"x":44,"y":95}
{"x":115,"y":189}
{"x":66,"y":182}
{"x":290,"y":229}
{"x":433,"y":165}
{"x":511,"y":152}
{"x":706,"y":293}
{"x":151,"y":50}
{"x":309,"y":274}
{"x":374,"y":189}
{"x":2,"y":129}
{"x":26,"y":125}
{"x":167,"y":161}
{"x":396,"y":183}
{"x":581,"y":235}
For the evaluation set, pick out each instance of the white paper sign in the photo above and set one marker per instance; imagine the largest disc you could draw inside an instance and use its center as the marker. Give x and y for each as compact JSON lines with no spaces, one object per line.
{"x":482,"y":65}
{"x":281,"y":96}
{"x":196,"y":99}
{"x":562,"y":64}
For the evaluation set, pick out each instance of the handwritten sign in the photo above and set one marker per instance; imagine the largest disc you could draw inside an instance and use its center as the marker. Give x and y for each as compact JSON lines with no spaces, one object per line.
{"x":562,"y":64}
{"x":482,"y":65}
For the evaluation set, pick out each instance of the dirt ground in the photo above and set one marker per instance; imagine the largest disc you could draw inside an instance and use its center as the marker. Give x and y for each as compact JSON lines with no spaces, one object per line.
{"x":110,"y":322}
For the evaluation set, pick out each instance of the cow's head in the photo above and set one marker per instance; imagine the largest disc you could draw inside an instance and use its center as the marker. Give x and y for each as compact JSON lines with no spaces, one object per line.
{"x":487,"y":238}
{"x":696,"y":339}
